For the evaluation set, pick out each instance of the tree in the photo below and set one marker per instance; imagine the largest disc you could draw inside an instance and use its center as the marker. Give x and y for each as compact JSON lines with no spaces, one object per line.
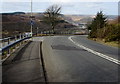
{"x":52,"y":16}
{"x":98,"y":23}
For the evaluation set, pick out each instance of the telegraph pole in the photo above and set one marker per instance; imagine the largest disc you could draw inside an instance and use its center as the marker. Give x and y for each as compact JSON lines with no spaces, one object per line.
{"x":31,"y":20}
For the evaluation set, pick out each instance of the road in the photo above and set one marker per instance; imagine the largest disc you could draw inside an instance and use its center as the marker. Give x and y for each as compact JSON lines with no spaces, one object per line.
{"x":66,"y":61}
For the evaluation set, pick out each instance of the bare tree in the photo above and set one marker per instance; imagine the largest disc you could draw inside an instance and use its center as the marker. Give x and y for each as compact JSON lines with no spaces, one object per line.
{"x":52,"y":16}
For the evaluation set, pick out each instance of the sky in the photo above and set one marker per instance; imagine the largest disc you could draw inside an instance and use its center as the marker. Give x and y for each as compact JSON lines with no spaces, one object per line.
{"x":85,"y":7}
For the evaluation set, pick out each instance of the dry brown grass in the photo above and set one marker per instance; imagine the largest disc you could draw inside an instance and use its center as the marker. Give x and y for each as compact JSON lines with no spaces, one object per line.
{"x":112,"y":43}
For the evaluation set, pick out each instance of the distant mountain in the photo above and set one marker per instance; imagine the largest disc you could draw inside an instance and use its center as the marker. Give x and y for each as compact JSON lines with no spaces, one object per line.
{"x":14,"y":13}
{"x":15,"y":17}
{"x":85,"y":18}
{"x":112,"y":17}
{"x":79,"y":18}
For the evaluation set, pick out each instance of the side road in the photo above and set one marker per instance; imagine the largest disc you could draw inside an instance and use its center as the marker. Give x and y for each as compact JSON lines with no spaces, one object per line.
{"x":26,"y":66}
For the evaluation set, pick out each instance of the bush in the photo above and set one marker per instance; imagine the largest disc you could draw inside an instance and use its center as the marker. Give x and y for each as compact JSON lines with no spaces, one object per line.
{"x":113,"y":32}
{"x":92,"y":35}
{"x":111,"y":38}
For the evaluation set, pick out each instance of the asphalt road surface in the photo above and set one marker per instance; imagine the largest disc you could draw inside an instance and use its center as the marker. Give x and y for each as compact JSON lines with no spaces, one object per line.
{"x":67,"y":61}
{"x":25,"y":66}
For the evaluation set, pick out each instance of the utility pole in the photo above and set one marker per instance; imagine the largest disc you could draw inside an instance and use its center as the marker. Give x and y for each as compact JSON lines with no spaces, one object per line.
{"x":37,"y":30}
{"x":31,"y":20}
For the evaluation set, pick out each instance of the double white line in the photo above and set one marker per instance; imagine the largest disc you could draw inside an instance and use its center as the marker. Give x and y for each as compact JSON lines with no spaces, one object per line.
{"x":95,"y":52}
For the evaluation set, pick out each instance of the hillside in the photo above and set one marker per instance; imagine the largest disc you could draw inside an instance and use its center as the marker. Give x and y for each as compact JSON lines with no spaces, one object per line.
{"x":20,"y":23}
{"x":86,"y":18}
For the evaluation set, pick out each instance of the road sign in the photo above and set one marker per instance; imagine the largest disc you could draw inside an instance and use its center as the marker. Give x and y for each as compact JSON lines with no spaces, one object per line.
{"x":32,"y":22}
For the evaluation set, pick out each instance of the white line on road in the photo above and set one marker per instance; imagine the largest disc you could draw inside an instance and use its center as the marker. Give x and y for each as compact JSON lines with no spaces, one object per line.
{"x":95,"y":52}
{"x":38,"y":38}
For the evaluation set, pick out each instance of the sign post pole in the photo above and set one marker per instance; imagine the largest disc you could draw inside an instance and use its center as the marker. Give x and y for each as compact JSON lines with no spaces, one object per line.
{"x":31,"y":20}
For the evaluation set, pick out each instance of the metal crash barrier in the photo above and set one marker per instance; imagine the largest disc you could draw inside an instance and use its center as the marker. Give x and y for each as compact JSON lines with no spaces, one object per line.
{"x":10,"y":44}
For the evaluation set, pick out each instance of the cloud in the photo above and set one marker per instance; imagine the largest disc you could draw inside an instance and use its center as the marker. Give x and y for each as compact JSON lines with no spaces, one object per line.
{"x":57,"y":1}
{"x":94,"y":4}
{"x":67,"y":8}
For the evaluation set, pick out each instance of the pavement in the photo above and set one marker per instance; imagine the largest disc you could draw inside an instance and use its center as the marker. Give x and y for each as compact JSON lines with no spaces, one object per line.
{"x":26,"y":66}
{"x":67,"y":62}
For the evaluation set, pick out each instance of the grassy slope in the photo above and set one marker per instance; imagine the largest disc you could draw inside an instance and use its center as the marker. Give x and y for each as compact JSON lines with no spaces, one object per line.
{"x":112,"y":43}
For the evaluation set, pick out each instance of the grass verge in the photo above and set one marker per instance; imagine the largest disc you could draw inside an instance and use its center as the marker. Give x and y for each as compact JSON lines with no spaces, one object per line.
{"x":112,"y":43}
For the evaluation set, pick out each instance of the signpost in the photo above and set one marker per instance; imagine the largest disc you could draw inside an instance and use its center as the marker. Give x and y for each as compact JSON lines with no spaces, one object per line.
{"x":31,"y":20}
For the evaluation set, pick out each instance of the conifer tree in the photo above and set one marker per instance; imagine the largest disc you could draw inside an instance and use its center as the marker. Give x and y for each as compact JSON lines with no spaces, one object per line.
{"x":98,"y":22}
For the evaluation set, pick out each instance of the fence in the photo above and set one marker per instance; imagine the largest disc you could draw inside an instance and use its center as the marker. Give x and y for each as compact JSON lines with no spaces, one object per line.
{"x":10,"y":44}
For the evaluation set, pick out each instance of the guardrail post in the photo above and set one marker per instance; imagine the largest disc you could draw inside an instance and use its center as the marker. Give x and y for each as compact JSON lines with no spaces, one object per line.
{"x":3,"y":43}
{"x":0,"y":43}
{"x":15,"y":38}
{"x":8,"y":44}
{"x":20,"y":36}
{"x":8,"y":41}
{"x":23,"y":35}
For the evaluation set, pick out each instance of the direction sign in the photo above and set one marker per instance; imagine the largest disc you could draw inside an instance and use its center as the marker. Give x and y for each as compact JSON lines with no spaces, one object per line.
{"x":32,"y":22}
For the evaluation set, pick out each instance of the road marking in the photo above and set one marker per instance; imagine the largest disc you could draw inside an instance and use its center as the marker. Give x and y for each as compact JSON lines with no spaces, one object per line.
{"x":38,"y":38}
{"x":95,"y":52}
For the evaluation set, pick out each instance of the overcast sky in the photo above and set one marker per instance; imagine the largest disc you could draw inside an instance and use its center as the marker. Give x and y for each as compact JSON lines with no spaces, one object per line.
{"x":109,"y":7}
